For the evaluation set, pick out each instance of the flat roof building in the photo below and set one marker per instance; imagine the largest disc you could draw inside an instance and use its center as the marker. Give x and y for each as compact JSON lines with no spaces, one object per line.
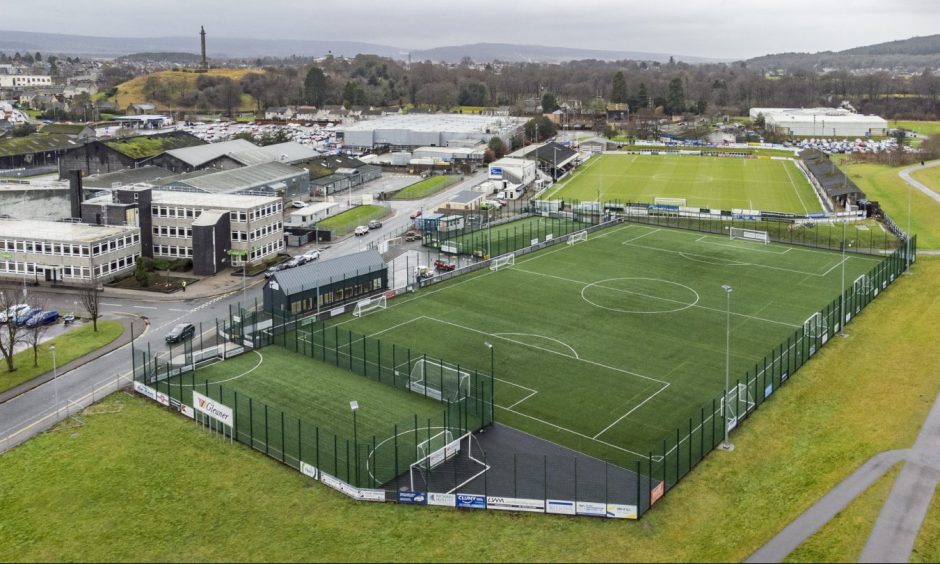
{"x":410,"y":131}
{"x":65,"y":252}
{"x":821,"y":122}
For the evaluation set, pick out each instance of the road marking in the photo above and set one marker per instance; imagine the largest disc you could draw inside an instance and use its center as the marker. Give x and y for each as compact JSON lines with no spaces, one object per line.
{"x":182,"y":310}
{"x":110,"y":304}
{"x":144,"y":307}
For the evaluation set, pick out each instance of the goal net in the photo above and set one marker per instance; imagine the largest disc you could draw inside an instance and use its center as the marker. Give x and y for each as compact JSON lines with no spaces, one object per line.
{"x":737,"y":402}
{"x":669,"y":201}
{"x":862,"y":285}
{"x":446,"y":464}
{"x":439,"y":380}
{"x":502,"y":262}
{"x":577,"y":237}
{"x":365,"y":307}
{"x":750,"y":235}
{"x":815,"y":326}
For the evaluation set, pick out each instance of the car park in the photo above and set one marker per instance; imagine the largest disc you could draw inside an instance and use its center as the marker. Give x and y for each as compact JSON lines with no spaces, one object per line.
{"x":361,"y":230}
{"x":182,"y":332}
{"x":375,"y":224}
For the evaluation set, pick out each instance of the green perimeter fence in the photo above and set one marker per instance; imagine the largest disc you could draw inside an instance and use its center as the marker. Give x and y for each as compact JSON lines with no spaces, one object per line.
{"x":362,"y":461}
{"x":679,"y":452}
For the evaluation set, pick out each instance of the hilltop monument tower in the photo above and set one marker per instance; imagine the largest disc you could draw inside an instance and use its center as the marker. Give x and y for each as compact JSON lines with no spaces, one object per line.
{"x":203,"y":64}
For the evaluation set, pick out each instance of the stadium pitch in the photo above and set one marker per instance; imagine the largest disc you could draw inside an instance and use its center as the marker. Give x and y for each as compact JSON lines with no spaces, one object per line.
{"x":704,"y":182}
{"x":610,"y":345}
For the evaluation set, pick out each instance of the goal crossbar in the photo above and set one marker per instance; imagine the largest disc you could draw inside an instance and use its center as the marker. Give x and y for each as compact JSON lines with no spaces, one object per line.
{"x":577,"y":237}
{"x":464,"y":451}
{"x":439,"y":380}
{"x":663,"y":201}
{"x":364,"y":307}
{"x":503,"y":262}
{"x":738,"y":401}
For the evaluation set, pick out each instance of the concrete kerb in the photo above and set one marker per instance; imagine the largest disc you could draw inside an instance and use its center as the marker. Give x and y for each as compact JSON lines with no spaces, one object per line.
{"x":122,"y":340}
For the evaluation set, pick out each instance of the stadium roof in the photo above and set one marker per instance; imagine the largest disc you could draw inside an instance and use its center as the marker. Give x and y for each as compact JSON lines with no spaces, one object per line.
{"x":317,"y":274}
{"x":241,"y":178}
{"x":199,"y":155}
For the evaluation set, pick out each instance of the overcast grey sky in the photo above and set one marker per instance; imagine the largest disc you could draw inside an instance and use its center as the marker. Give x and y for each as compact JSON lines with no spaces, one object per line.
{"x":707,"y":28}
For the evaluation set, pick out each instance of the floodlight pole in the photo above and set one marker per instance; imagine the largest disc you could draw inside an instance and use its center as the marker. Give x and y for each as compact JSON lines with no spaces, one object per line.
{"x":726,"y":444}
{"x":490,"y":346}
{"x":842,"y":288}
{"x":354,"y":405}
{"x":907,"y":237}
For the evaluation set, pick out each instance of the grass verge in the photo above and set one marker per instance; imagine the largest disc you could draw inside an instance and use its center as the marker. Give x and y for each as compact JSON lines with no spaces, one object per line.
{"x":425,"y":188}
{"x":71,"y":345}
{"x":137,"y":502}
{"x":844,"y":538}
{"x":927,"y":546}
{"x":929,"y":177}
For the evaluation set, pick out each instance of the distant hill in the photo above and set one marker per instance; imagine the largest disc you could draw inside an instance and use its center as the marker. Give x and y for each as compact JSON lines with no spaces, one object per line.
{"x":486,"y":52}
{"x":169,"y":57}
{"x":914,"y":54}
{"x":175,"y":83}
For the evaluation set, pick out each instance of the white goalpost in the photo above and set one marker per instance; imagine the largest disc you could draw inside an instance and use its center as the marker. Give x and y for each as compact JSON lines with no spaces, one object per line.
{"x":464,"y":451}
{"x":738,"y":401}
{"x":367,"y":306}
{"x":750,"y":235}
{"x":439,"y":380}
{"x":815,"y":326}
{"x":577,"y":237}
{"x":502,"y":262}
{"x":862,"y":285}
{"x":669,"y":201}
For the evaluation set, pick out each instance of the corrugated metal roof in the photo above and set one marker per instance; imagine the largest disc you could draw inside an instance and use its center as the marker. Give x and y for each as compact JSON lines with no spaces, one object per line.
{"x":321,"y":273}
{"x":129,"y":176}
{"x":242,"y":178}
{"x":466,"y":197}
{"x":201,"y":154}
{"x":36,"y":144}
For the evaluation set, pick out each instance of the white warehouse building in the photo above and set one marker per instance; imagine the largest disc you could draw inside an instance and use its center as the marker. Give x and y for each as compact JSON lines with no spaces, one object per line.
{"x":411,"y":131}
{"x":821,"y":122}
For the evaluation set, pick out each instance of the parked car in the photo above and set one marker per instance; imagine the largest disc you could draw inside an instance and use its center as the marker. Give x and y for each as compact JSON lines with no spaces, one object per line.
{"x":375,"y":224}
{"x":296,"y":261}
{"x":24,"y":315}
{"x":44,"y":317}
{"x":312,"y":255}
{"x":68,"y":318}
{"x":361,"y":230}
{"x":298,"y":204}
{"x":13,"y":312}
{"x":415,"y":214}
{"x":182,"y":332}
{"x":270,"y":271}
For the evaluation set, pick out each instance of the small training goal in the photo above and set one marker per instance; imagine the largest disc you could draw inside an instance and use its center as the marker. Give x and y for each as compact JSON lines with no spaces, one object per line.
{"x":750,"y":235}
{"x":464,"y":455}
{"x":862,"y":285}
{"x":577,"y":237}
{"x":815,"y":326}
{"x":669,"y":201}
{"x":737,"y":402}
{"x":439,"y":380}
{"x":503,"y":262}
{"x":364,"y":307}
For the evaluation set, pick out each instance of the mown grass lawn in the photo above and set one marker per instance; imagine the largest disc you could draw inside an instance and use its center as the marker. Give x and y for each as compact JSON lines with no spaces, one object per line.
{"x":425,"y":188}
{"x":345,"y":222}
{"x":923,"y":127}
{"x":930,"y":177}
{"x":69,"y":346}
{"x":133,"y":482}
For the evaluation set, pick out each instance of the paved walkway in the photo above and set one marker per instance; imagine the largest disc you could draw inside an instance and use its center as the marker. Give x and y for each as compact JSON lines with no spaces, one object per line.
{"x":892,"y":538}
{"x":905,"y":174}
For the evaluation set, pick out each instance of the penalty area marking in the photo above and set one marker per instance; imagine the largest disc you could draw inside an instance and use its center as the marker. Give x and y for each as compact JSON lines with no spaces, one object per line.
{"x":245,"y":373}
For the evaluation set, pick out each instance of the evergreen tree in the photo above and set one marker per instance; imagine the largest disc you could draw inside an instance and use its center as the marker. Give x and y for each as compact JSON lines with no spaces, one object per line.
{"x":619,"y":93}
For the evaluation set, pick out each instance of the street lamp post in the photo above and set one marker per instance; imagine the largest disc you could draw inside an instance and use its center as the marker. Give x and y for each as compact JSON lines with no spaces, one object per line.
{"x":490,"y":346}
{"x":726,"y":444}
{"x":55,"y":383}
{"x":907,"y":238}
{"x":842,"y":287}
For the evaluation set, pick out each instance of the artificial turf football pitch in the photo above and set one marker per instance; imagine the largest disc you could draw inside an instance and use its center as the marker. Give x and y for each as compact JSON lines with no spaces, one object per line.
{"x":704,"y":182}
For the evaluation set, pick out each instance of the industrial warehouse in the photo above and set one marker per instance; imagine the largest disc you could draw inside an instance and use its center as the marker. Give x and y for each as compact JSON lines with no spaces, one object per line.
{"x":409,"y":132}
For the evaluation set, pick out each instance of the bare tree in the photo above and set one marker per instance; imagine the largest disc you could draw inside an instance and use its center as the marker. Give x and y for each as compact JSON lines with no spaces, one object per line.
{"x":33,"y":335}
{"x":10,"y":333}
{"x":91,"y":298}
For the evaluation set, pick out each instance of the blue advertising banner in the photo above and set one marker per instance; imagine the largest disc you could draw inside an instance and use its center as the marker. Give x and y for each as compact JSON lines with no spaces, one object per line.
{"x":471,"y":501}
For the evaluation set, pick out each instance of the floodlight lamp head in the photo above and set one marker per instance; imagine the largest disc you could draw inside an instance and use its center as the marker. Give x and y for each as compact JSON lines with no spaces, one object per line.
{"x":726,"y":288}
{"x":488,"y":344}
{"x":354,"y":405}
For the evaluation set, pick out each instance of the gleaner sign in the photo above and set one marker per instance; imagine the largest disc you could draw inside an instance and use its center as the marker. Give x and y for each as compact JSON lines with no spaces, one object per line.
{"x":212,"y":408}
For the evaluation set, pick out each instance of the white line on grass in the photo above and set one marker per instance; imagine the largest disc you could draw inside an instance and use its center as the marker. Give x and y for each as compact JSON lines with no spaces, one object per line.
{"x":641,"y":236}
{"x":655,"y":297}
{"x":835,"y":266}
{"x":786,"y":168}
{"x":562,"y":343}
{"x":548,"y":350}
{"x":627,"y":414}
{"x":245,"y":373}
{"x":710,"y":241}
{"x":522,"y":400}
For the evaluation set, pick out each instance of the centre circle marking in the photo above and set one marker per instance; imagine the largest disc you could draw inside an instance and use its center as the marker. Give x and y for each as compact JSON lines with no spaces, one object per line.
{"x":599,"y":284}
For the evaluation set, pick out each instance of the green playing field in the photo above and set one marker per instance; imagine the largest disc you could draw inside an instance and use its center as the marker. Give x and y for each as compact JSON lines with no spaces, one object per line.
{"x":609,"y":345}
{"x":706,"y":182}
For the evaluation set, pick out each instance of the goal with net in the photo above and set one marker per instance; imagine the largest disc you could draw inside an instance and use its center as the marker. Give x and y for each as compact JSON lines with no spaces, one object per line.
{"x":750,"y":235}
{"x":669,"y":201}
{"x":815,"y":327}
{"x":365,"y":307}
{"x":464,"y":454}
{"x":439,"y":380}
{"x":577,"y":237}
{"x":737,"y":402}
{"x":503,"y":262}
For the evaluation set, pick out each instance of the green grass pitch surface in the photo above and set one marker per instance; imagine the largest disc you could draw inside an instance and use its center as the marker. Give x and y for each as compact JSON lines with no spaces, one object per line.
{"x":609,"y":345}
{"x":319,"y":394}
{"x":513,"y":235}
{"x":706,"y":182}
